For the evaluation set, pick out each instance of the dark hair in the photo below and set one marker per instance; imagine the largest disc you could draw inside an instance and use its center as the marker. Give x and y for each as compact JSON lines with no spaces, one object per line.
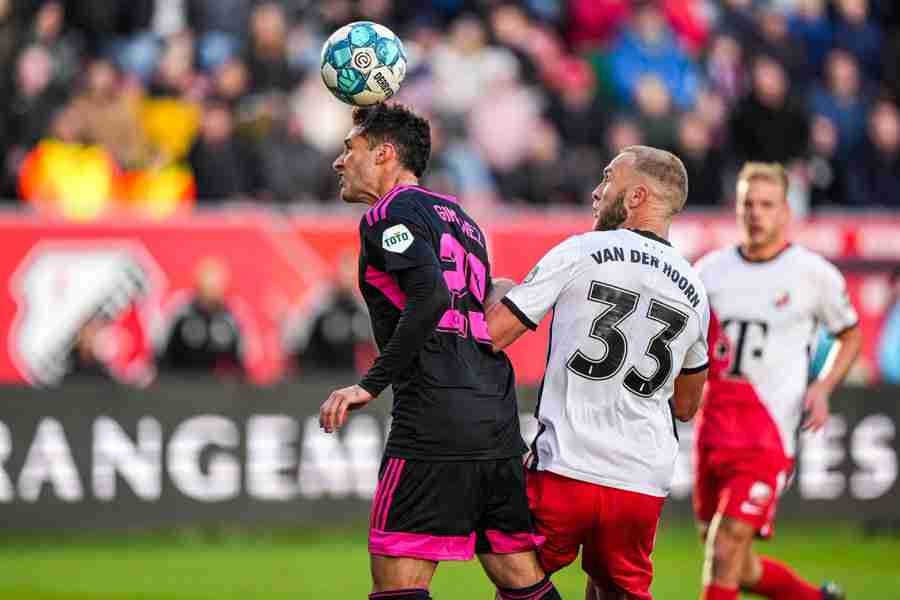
{"x":400,"y":126}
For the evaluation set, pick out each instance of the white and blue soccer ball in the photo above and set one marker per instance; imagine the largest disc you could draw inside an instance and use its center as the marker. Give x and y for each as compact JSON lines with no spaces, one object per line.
{"x":363,"y":63}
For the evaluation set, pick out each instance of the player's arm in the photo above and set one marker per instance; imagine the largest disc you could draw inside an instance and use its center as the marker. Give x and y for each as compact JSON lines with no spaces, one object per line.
{"x":690,"y":381}
{"x":841,"y":357}
{"x":839,"y":316}
{"x":427,"y":298}
{"x":688,"y":393}
{"x":524,"y":306}
{"x":419,"y":275}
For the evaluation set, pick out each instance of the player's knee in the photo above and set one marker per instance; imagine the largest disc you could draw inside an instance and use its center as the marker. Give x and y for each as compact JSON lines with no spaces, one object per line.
{"x":407,"y":594}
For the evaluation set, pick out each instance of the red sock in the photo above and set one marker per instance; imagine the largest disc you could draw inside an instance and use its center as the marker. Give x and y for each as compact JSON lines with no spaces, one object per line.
{"x":717,"y":592}
{"x":779,"y":582}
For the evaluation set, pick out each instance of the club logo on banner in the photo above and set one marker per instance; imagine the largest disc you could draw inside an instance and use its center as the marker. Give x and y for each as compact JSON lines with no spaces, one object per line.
{"x":61,"y":286}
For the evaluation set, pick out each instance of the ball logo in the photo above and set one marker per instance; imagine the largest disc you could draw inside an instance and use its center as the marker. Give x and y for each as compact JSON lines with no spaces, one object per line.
{"x":363,"y":60}
{"x":396,"y":239}
{"x":382,"y":82}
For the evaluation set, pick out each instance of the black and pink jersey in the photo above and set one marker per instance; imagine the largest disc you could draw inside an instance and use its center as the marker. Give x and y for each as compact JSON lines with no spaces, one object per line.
{"x":456,"y":400}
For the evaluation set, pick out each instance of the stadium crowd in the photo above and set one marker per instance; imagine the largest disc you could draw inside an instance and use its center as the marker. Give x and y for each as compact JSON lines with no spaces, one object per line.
{"x":158,"y":105}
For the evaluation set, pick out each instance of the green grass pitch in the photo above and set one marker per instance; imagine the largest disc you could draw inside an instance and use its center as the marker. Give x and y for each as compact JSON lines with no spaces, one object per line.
{"x":312,"y":565}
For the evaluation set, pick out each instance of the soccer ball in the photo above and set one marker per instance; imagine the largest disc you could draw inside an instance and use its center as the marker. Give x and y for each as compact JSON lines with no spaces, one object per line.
{"x":363,"y":63}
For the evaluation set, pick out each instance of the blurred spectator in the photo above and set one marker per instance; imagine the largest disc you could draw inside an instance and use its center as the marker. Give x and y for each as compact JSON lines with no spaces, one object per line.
{"x":456,"y":167}
{"x":826,"y":173}
{"x":35,"y":99}
{"x":337,"y":335}
{"x":225,"y":167}
{"x":594,"y":23}
{"x":112,"y":350}
{"x":889,"y":341}
{"x":774,"y":40}
{"x":622,"y":132}
{"x":465,"y":67}
{"x":10,"y":28}
{"x":267,"y":61}
{"x":62,"y":177}
{"x":87,"y":358}
{"x":500,"y":122}
{"x":512,"y":29}
{"x":713,"y":109}
{"x":891,"y":66}
{"x":47,"y":31}
{"x":293,"y":169}
{"x":647,"y":47}
{"x":576,"y":110}
{"x":655,"y":116}
{"x":174,"y":75}
{"x":704,"y":163}
{"x":108,"y":117}
{"x":768,"y":125}
{"x":219,"y":25}
{"x":857,"y":32}
{"x":843,"y":101}
{"x":543,"y":178}
{"x":739,"y":19}
{"x":809,"y":23}
{"x":875,"y":172}
{"x":231,"y":81}
{"x":205,"y":334}
{"x":725,"y":67}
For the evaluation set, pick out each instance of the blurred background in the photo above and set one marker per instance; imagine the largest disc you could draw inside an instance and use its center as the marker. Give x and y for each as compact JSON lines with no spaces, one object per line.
{"x":180,"y":274}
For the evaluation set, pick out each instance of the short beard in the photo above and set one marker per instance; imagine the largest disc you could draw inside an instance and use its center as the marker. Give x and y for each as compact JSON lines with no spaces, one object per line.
{"x":613,"y":216}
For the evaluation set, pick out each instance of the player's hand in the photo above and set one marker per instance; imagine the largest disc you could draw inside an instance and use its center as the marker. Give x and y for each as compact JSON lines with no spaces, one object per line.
{"x":816,"y":405}
{"x":333,"y":412}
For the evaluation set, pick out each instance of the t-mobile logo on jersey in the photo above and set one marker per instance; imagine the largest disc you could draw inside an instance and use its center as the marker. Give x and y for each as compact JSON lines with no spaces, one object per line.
{"x":748,"y":339}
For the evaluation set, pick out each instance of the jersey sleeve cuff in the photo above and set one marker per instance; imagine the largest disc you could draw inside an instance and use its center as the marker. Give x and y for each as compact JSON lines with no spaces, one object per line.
{"x":372,"y":388}
{"x":844,"y":329}
{"x":519,"y":314}
{"x":695,"y":370}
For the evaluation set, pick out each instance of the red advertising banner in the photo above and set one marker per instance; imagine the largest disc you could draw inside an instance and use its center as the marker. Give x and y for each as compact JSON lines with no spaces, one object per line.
{"x":59,"y":275}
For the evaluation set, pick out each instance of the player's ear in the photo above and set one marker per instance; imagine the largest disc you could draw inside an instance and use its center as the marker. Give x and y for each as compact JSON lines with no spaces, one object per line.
{"x":638,"y":194}
{"x":384,"y":152}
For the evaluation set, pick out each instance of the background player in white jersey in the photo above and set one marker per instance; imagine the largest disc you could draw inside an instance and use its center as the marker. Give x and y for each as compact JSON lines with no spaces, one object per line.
{"x":768,"y":297}
{"x":628,"y":350}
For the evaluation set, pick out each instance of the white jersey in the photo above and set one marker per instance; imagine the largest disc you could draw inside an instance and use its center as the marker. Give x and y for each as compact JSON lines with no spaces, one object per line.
{"x":769,"y":312}
{"x":630,"y":315}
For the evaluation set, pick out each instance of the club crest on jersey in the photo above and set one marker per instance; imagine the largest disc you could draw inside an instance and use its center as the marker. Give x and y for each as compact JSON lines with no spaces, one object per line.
{"x":760,"y":493}
{"x":396,"y":239}
{"x":782,"y":299}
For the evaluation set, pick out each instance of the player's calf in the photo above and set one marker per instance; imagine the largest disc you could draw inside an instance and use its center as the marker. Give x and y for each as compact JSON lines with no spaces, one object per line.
{"x":727,"y":546}
{"x":779,"y":582}
{"x":542,"y":590}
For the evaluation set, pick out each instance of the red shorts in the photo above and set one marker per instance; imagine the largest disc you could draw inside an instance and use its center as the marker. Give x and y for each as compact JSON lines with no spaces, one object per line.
{"x":616,"y":529}
{"x":742,"y":484}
